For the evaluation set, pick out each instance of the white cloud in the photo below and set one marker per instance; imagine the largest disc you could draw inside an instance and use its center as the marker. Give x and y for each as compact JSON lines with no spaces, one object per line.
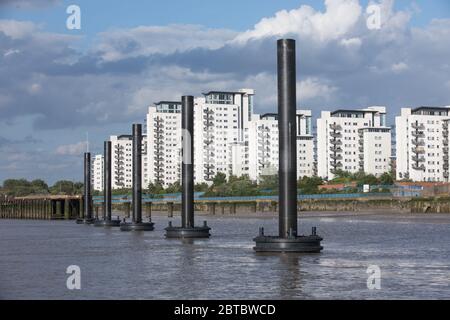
{"x":10,"y":52}
{"x":338,"y":19}
{"x":313,"y":88}
{"x":352,"y":43}
{"x":17,"y":29}
{"x":399,"y":67}
{"x":146,"y":40}
{"x":71,"y":149}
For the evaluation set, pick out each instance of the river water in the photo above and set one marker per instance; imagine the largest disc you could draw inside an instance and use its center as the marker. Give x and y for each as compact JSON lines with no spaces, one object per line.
{"x":412,"y":252}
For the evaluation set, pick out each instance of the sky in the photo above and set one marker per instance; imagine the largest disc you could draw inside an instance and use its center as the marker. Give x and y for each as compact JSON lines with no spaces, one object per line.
{"x":58,"y":86}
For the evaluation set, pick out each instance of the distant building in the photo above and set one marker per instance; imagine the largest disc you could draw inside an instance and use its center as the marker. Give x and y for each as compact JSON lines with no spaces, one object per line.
{"x":353,"y":141}
{"x":221,"y":133}
{"x":422,"y":144}
{"x":122,"y":162}
{"x":164,"y":143}
{"x":97,"y":173}
{"x":263,"y":145}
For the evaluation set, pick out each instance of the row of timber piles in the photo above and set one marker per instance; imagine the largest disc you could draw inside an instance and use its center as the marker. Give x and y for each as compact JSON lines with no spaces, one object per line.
{"x":40,"y":209}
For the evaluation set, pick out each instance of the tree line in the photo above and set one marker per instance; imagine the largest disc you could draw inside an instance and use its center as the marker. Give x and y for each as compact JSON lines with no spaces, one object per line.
{"x":221,"y":186}
{"x":23,"y":187}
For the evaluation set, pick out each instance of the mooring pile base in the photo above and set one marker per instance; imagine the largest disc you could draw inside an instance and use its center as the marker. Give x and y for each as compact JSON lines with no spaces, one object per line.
{"x":301,"y":244}
{"x":194,"y":232}
{"x":107,"y":223}
{"x":132,"y":226}
{"x":85,"y":221}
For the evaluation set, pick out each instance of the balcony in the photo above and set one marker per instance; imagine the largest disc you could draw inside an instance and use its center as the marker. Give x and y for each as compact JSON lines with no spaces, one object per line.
{"x":361,"y":156}
{"x":417,"y":126}
{"x":445,"y":142}
{"x":336,"y":127}
{"x":445,"y":149}
{"x":445,"y":166}
{"x":418,"y":159}
{"x":418,"y":143}
{"x":361,"y":149}
{"x":209,"y":111}
{"x":208,"y":141}
{"x":336,"y":149}
{"x":336,"y":142}
{"x":361,"y":164}
{"x":336,"y":157}
{"x":336,"y":134}
{"x":446,"y":175}
{"x":159,"y":169}
{"x":418,"y":150}
{"x":158,"y":131}
{"x":208,"y":117}
{"x":208,"y":123}
{"x":418,"y":134}
{"x":445,"y":157}
{"x":336,"y":164}
{"x":418,"y":167}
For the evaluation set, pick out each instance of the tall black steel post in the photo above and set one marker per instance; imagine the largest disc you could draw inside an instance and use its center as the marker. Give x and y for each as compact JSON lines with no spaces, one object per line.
{"x":187,"y":127}
{"x":287,"y":133}
{"x":107,"y":205}
{"x":187,"y":230}
{"x":107,"y":198}
{"x":287,"y":240}
{"x":137,"y":224}
{"x":137,"y":173}
{"x":88,"y":219}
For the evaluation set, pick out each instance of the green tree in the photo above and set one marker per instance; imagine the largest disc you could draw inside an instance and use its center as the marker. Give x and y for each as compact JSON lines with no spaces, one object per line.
{"x":219,"y":179}
{"x":309,"y":185}
{"x":201,"y":187}
{"x":173,"y":187}
{"x":387,"y":179}
{"x":155,"y":188}
{"x":64,"y":187}
{"x":268,"y":182}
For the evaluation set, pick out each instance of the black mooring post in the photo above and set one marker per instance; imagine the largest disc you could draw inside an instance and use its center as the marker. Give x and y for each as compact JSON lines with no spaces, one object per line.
{"x":107,"y":181}
{"x":87,"y":189}
{"x":187,"y":229}
{"x":187,"y":126}
{"x":137,"y":224}
{"x":287,"y":240}
{"x":287,"y":105}
{"x":137,"y":173}
{"x":107,"y":199}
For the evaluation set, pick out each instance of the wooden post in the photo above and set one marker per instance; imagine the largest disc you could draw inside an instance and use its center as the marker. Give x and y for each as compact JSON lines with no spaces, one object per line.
{"x":66,"y":209}
{"x":213,"y":208}
{"x":127,"y":209}
{"x":148,"y":207}
{"x":223,"y":209}
{"x":170,"y":209}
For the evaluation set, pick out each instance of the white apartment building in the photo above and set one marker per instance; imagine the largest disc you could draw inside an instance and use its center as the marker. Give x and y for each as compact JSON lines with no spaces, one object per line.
{"x":422,"y":144}
{"x":164,"y":143}
{"x":353,"y":140}
{"x":97,"y":172}
{"x":221,"y":120}
{"x":122,"y":162}
{"x":263,"y":145}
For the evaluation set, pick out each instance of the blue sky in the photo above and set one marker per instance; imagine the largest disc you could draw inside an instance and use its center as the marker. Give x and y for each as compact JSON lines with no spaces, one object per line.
{"x":57,"y":84}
